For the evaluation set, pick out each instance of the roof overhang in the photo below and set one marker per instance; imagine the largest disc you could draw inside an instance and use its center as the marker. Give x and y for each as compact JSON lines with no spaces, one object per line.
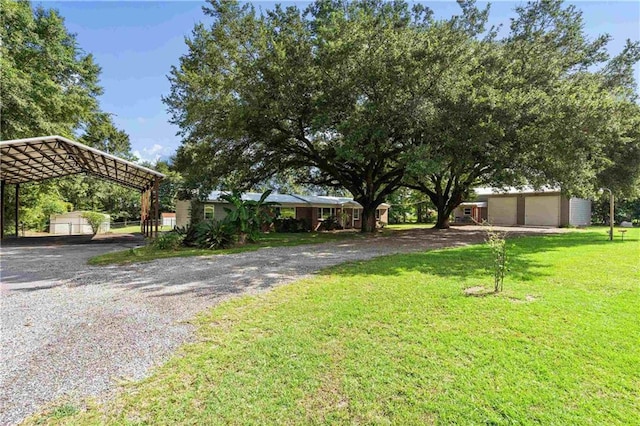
{"x":45,"y":157}
{"x":474,"y":203}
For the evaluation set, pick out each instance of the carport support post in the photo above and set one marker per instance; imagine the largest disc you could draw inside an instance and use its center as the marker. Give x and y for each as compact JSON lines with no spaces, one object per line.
{"x":156,"y":203}
{"x":17,"y":207}
{"x":2,"y":204}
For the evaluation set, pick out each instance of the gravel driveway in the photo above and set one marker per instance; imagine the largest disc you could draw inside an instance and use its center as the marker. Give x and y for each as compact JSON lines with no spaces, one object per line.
{"x":70,"y":330}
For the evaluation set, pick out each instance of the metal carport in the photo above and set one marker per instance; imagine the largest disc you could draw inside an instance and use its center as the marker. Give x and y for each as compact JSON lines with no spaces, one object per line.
{"x":45,"y":157}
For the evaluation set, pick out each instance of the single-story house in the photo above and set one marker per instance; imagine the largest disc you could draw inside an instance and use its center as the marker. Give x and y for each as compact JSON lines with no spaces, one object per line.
{"x":72,"y":223}
{"x":312,"y":208}
{"x":527,"y":206}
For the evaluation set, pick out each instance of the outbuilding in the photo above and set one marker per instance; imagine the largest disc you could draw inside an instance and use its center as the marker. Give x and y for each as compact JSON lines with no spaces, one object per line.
{"x":72,"y":223}
{"x":168,"y":219}
{"x":527,"y":207}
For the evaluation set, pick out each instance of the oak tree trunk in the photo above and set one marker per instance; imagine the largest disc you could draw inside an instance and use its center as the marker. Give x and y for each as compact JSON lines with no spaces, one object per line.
{"x":442,"y":222}
{"x":368,"y":219}
{"x":444,"y":207}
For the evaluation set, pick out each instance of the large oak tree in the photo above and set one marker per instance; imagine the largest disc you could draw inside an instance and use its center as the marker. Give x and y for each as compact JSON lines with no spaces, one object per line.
{"x":372,"y":96}
{"x":333,"y":93}
{"x":542,"y":106}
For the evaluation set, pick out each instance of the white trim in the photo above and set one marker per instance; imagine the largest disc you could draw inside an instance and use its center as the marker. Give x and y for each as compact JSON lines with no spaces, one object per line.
{"x":332,"y":212}
{"x":213,"y":211}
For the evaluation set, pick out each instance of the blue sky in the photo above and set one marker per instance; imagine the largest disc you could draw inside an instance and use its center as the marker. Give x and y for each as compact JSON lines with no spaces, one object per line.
{"x":136,"y":43}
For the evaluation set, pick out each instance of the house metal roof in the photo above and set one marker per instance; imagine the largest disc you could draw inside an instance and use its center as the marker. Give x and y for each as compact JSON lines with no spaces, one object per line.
{"x":295,"y":199}
{"x":255,"y":196}
{"x":45,"y":157}
{"x":513,"y":190}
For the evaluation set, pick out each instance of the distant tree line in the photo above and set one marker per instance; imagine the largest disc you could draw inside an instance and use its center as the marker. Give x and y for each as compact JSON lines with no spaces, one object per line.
{"x":50,"y":87}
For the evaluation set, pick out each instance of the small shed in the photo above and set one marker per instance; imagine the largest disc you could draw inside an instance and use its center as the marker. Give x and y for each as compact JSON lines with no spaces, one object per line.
{"x":72,"y":223}
{"x":168,"y":219}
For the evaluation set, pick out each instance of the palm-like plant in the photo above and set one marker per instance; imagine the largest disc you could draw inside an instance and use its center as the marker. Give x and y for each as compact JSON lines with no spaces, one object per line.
{"x":248,"y":216}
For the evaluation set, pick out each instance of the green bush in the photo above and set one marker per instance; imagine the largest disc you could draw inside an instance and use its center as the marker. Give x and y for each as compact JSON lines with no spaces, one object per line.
{"x":331,"y":223}
{"x":94,"y":219}
{"x":189,"y":234}
{"x":215,"y":234}
{"x":168,"y":241}
{"x":498,"y":246}
{"x":291,"y":225}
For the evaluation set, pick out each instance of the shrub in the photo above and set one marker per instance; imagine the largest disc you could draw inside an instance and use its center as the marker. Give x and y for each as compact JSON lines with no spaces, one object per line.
{"x":215,"y":234}
{"x":497,"y":244}
{"x":94,"y":219}
{"x":189,"y":234}
{"x":331,"y":223}
{"x":291,"y":225}
{"x":168,"y":241}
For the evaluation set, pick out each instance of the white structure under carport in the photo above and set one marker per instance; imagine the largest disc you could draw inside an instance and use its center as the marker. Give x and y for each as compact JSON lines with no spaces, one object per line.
{"x":529,"y":207}
{"x":72,"y":223}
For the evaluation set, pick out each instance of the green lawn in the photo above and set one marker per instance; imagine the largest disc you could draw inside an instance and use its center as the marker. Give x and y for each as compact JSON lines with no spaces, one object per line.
{"x":132,"y":229}
{"x":396,"y":341}
{"x":145,"y":254}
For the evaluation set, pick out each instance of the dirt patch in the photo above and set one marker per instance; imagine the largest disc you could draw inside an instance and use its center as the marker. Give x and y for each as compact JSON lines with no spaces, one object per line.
{"x":478,"y":291}
{"x":527,"y":299}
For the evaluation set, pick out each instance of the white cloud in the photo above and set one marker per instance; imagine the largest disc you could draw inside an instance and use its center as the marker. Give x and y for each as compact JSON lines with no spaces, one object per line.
{"x":150,"y":155}
{"x":155,"y":148}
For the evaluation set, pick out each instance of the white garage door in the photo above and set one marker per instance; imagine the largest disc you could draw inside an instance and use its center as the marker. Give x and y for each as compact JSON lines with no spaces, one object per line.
{"x":542,"y":211}
{"x":503,"y":210}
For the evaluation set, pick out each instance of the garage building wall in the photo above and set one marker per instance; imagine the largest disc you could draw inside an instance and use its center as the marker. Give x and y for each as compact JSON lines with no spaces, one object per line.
{"x":579,"y":212}
{"x":521,"y":218}
{"x":538,"y":209}
{"x":503,"y":210}
{"x":542,"y":210}
{"x":384,"y":216}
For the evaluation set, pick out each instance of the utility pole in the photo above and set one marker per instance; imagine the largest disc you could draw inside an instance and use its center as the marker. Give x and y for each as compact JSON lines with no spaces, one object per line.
{"x":611,"y":211}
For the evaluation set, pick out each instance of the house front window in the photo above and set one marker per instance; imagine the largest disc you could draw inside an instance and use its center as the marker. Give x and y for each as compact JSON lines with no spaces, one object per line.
{"x":377,"y":214}
{"x":356,"y":214}
{"x":208,"y":212}
{"x":325,"y":212}
{"x":467,"y":211}
{"x":286,"y":212}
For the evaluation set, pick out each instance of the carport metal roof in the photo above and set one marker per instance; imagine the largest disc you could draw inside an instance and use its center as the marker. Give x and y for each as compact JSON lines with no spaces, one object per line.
{"x":34,"y":159}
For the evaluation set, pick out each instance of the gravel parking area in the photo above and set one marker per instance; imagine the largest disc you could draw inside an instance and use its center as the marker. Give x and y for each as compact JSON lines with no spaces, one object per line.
{"x":69,"y":330}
